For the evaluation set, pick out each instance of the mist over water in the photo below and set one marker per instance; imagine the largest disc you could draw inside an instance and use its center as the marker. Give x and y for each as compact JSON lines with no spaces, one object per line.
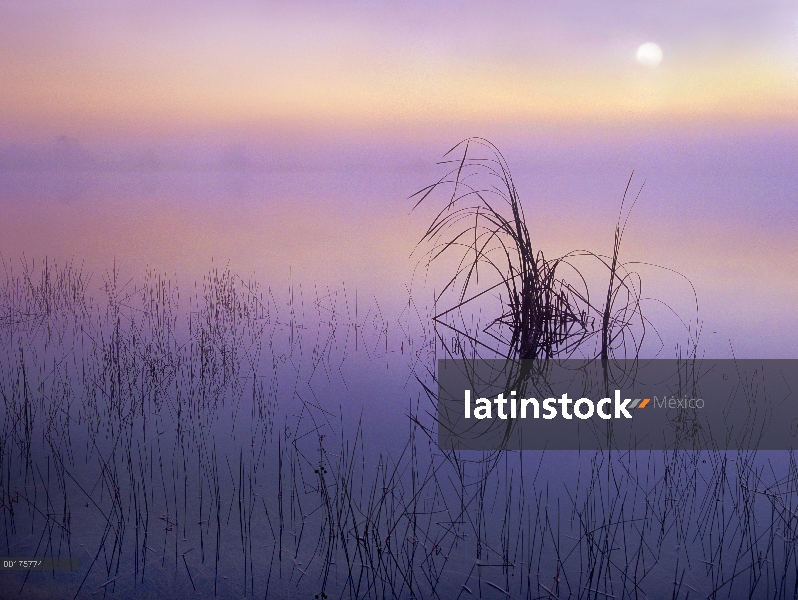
{"x":719,"y":209}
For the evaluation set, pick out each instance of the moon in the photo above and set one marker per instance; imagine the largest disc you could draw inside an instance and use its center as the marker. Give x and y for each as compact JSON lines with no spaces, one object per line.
{"x":649,"y":54}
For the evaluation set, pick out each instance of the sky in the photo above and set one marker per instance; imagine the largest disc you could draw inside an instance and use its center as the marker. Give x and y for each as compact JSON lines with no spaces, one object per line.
{"x":277,"y":135}
{"x":145,"y":70}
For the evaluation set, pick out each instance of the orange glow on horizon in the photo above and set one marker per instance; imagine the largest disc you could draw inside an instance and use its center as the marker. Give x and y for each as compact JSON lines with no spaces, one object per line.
{"x":104,"y":70}
{"x":77,"y":98}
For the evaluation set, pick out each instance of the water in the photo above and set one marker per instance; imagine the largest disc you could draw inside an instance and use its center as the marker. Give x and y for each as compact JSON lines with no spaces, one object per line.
{"x":256,"y":424}
{"x":222,"y":440}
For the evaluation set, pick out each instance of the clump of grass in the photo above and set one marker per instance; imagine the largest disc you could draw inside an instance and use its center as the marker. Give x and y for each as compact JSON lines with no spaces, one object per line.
{"x":546,"y":310}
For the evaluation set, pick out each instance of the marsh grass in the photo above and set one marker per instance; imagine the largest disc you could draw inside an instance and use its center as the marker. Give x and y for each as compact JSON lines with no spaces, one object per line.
{"x":545,"y":307}
{"x":192,"y":441}
{"x":504,"y":299}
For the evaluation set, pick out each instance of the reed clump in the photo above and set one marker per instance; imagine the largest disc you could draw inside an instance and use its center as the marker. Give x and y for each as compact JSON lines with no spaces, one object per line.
{"x":545,"y":308}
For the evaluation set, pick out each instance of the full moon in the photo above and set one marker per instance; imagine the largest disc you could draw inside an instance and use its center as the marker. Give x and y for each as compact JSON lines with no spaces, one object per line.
{"x":649,"y":54}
